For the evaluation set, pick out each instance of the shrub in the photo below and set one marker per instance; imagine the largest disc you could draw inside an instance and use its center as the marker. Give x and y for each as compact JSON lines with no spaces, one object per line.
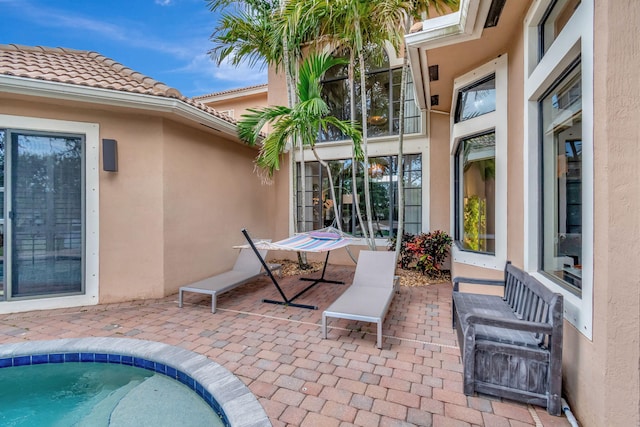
{"x":424,"y":252}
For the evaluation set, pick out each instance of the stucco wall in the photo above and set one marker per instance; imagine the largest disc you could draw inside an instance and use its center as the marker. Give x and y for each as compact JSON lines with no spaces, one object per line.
{"x":241,"y":104}
{"x":211,"y":192}
{"x":604,"y":381}
{"x":131,"y":235}
{"x":130,"y":200}
{"x":176,"y":205}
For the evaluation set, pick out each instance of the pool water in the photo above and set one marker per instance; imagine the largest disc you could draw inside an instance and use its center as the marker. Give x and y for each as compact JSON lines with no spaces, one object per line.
{"x":97,"y":394}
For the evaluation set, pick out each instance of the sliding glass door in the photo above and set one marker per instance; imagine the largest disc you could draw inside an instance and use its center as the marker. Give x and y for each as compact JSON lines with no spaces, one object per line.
{"x":44,"y":214}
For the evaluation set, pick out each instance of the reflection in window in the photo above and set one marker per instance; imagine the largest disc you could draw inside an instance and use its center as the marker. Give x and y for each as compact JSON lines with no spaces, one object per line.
{"x":384,"y":195}
{"x":561,"y":114}
{"x":554,"y":20}
{"x":475,"y":184}
{"x":476,"y":99}
{"x":383,"y":100}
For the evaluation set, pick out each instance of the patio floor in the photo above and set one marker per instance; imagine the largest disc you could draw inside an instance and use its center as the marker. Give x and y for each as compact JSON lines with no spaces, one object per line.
{"x":299,"y":378}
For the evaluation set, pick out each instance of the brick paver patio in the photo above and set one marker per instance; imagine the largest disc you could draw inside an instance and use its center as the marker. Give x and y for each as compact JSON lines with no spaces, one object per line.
{"x":299,"y":378}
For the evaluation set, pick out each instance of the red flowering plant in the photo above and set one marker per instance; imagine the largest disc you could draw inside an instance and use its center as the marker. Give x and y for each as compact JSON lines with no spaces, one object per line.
{"x":424,"y":252}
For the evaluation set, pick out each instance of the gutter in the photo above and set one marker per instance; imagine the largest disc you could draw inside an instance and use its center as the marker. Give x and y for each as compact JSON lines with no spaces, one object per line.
{"x":99,"y":96}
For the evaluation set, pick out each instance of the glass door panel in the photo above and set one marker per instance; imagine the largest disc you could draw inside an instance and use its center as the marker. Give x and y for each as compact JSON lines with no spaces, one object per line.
{"x":46,"y":213}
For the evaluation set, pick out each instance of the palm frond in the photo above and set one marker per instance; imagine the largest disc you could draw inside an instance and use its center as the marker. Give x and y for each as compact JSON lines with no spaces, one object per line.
{"x":251,"y":124}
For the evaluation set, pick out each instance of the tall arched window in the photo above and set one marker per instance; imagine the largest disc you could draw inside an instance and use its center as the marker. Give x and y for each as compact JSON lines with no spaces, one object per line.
{"x":383,"y":98}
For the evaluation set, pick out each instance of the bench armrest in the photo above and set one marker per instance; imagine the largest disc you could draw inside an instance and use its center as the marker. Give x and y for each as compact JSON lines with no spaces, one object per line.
{"x":501,"y":322}
{"x":458,"y":280}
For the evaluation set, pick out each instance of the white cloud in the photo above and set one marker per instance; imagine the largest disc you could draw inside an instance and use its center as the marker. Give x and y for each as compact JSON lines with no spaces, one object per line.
{"x":242,"y":74}
{"x":164,"y":2}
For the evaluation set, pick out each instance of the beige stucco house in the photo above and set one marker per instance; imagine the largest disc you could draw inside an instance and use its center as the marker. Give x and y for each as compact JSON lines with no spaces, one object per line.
{"x":235,"y":102}
{"x":521,"y":142}
{"x":75,"y":231}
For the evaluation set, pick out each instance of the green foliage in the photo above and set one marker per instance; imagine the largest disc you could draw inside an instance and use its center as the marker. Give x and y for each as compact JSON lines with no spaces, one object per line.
{"x":475,"y":222}
{"x":424,"y":252}
{"x":299,"y":123}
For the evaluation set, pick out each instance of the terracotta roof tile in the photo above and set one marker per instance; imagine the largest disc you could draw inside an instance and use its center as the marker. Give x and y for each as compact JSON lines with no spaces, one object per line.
{"x":86,"y":68}
{"x":224,"y":92}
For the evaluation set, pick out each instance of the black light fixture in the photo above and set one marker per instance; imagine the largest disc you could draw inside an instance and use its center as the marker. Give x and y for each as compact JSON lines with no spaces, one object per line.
{"x":433,"y":73}
{"x":110,"y":155}
{"x":435,"y":100}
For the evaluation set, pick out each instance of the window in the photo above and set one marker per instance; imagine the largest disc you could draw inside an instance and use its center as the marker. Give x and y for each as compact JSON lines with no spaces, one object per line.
{"x":479,"y":166}
{"x":558,"y":166}
{"x":561,"y":181}
{"x":554,"y":20}
{"x":383,"y":187}
{"x":475,"y":183}
{"x":45,"y":201}
{"x":49,"y":244}
{"x":476,"y":99}
{"x":383,"y":100}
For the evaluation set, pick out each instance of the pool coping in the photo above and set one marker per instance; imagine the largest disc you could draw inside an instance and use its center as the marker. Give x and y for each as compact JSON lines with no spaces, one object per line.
{"x":240,"y":406}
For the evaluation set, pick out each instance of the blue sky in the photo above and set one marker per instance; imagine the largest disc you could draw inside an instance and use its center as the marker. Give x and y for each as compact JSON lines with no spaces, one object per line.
{"x":167,"y":40}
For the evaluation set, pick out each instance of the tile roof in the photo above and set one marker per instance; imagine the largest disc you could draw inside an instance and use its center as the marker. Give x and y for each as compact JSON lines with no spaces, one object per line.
{"x":86,"y":68}
{"x":229,"y":91}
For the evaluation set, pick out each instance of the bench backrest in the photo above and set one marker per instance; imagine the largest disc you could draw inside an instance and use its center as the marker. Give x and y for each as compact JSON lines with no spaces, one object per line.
{"x":532,"y":301}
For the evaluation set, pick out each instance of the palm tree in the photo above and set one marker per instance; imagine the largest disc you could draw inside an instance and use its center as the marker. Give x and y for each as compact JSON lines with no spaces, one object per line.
{"x":247,"y":31}
{"x":301,"y":122}
{"x":418,"y":8}
{"x":360,"y":27}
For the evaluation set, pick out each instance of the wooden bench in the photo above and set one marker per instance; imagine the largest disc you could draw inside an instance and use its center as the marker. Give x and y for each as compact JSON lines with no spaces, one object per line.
{"x":511,"y":346}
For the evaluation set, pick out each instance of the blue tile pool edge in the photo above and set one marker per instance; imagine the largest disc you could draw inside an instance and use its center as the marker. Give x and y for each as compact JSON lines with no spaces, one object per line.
{"x":117,"y":359}
{"x":240,"y":406}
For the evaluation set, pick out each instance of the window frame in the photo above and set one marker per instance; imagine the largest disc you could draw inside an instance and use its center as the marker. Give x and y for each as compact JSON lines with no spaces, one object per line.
{"x":317,"y":175}
{"x":575,"y":41}
{"x":91,"y":132}
{"x":390,"y":68}
{"x":495,"y":121}
{"x":458,"y":233}
{"x":459,"y":105}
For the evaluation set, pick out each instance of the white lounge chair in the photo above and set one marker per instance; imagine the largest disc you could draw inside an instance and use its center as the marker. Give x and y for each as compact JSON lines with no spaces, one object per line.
{"x":247,"y":268}
{"x":369,"y":296}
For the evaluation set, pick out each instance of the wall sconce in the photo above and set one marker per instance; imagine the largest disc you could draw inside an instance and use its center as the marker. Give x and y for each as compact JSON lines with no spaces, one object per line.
{"x":110,"y":155}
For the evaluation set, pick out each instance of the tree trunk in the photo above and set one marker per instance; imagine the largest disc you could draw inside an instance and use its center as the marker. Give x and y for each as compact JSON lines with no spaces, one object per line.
{"x":332,"y":190}
{"x":367,"y":193}
{"x":354,"y":162}
{"x":403,"y":96}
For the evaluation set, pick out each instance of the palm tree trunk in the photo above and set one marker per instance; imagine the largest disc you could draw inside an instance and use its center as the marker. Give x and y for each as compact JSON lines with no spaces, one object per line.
{"x":403,"y":96}
{"x":332,"y":189}
{"x":354,"y":163}
{"x":367,"y":193}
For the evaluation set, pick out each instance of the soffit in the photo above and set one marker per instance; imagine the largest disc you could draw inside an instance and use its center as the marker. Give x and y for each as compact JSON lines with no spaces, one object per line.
{"x":457,"y":59}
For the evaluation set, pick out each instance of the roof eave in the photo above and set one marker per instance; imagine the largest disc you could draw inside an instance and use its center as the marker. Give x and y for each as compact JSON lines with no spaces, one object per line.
{"x":138,"y":101}
{"x":458,"y":27}
{"x":232,"y":94}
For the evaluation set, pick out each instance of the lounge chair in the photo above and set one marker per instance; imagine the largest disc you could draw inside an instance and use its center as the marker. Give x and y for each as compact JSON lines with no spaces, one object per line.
{"x":369,"y":296}
{"x":246,"y":269}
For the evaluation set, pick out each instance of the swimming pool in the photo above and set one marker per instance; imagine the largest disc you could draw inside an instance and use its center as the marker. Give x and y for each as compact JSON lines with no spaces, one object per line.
{"x":98,"y":394}
{"x":219,"y":388}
